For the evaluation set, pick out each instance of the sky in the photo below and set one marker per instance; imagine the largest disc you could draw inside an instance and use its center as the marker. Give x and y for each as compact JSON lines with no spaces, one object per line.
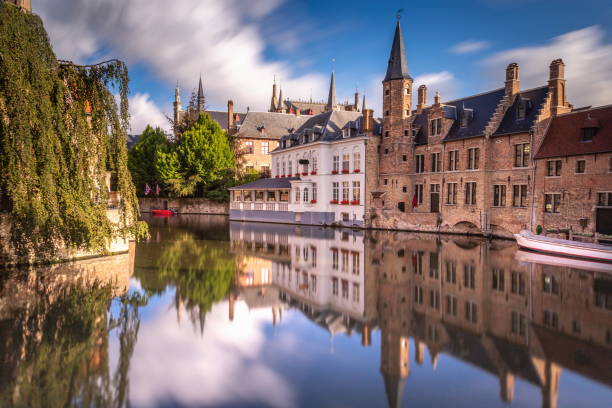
{"x":458,"y":48}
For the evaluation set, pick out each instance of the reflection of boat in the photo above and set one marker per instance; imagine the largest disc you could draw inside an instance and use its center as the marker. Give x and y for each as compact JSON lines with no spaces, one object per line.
{"x":533,"y":257}
{"x":563,"y":247}
{"x":162,"y":213}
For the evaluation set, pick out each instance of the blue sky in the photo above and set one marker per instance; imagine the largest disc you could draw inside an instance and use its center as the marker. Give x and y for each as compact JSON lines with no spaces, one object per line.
{"x":458,"y":48}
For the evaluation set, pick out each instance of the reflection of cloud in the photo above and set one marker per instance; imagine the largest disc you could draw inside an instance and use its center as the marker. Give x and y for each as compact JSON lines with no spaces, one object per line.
{"x":176,"y":363}
{"x":466,"y":47}
{"x":588,"y":62}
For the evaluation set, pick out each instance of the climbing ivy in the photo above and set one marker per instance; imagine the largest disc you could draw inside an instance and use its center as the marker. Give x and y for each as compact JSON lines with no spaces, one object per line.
{"x":61,"y":130}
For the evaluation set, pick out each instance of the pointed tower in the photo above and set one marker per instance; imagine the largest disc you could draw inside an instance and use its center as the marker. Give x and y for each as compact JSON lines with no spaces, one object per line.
{"x":281,"y":105}
{"x":178,"y":108}
{"x":356,"y":105}
{"x":273,"y":101}
{"x":201,"y":100}
{"x":396,"y":155}
{"x":363,"y":105}
{"x":332,"y":104}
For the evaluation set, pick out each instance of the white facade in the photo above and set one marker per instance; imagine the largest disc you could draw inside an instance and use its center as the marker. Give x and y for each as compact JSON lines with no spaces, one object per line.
{"x":332,"y":180}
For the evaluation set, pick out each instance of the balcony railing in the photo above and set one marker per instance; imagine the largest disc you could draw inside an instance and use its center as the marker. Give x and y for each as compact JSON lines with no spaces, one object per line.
{"x":259,"y":206}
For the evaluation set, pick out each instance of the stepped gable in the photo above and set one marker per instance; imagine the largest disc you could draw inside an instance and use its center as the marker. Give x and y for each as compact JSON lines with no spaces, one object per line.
{"x":564,"y":135}
{"x":531,"y":100}
{"x":275,"y":124}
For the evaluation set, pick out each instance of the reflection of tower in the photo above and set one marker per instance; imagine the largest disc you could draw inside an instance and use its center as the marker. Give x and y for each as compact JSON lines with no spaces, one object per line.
{"x":394,"y":366}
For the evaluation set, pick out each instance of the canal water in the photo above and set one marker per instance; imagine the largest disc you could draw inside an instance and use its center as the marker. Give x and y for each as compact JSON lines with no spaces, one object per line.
{"x":215,"y":313}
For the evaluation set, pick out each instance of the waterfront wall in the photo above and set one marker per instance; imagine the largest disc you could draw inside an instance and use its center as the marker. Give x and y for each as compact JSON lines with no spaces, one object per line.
{"x":8,"y":256}
{"x":183,"y":205}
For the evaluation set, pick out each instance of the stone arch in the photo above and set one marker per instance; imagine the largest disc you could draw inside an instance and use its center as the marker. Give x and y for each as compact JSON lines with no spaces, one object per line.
{"x":500,"y":231}
{"x":465,"y":227}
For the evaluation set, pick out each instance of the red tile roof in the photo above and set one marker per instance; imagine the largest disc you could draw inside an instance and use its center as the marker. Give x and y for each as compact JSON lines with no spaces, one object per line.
{"x":564,"y":135}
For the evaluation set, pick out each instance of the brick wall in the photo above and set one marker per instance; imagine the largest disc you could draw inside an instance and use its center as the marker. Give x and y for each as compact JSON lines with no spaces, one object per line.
{"x":183,"y":205}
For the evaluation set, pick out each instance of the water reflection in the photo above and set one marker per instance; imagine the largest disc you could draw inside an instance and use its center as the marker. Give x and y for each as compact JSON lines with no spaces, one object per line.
{"x":211,"y":313}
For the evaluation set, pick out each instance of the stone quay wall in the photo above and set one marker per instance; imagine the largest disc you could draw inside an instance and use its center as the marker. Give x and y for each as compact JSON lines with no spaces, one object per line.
{"x":183,"y":205}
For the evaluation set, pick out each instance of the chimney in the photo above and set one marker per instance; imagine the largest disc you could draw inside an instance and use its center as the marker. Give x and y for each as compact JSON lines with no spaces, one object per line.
{"x":437,"y":99}
{"x":513,"y":81}
{"x":366,"y":335}
{"x":422,"y":98}
{"x":556,"y":87}
{"x":230,"y":115}
{"x":356,"y":106}
{"x":368,"y":120}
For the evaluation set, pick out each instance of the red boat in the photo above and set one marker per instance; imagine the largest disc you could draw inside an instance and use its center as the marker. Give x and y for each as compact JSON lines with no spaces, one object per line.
{"x":162,"y":213}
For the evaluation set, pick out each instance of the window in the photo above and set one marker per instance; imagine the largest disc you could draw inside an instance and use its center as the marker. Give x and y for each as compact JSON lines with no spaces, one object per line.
{"x":306,"y":199}
{"x":346,"y":162}
{"x":385,"y":182}
{"x":453,"y":157}
{"x":521,"y":155}
{"x":356,"y":161}
{"x":517,"y":283}
{"x":314,"y":164}
{"x":314,"y":192}
{"x":404,"y":158}
{"x":418,"y":295}
{"x":418,"y":189}
{"x":550,"y":284}
{"x":278,"y":169}
{"x":553,"y":168}
{"x":473,"y":156}
{"x":283,"y":174}
{"x":469,"y":276}
{"x":499,"y":195}
{"x":313,"y":283}
{"x":387,"y":92}
{"x":518,"y":324}
{"x":451,"y":305}
{"x":271,"y":196}
{"x":420,"y":163}
{"x":265,"y":148}
{"x":248,"y":147}
{"x":355,"y":292}
{"x":406,"y":91}
{"x":580,"y":166}
{"x":406,"y":132}
{"x":297,"y":195}
{"x":345,"y":289}
{"x":576,"y":327}
{"x":435,"y":127}
{"x":401,"y":206}
{"x":290,"y":168}
{"x":434,"y":299}
{"x":587,"y":134}
{"x":356,"y":191}
{"x":404,"y":189}
{"x":451,"y":193}
{"x":436,"y":165}
{"x":552,"y":203}
{"x":335,"y":195}
{"x":305,"y":165}
{"x":470,"y":193}
{"x":335,"y":286}
{"x":387,"y":133}
{"x":418,"y":265}
{"x":345,"y":260}
{"x":519,"y":195}
{"x":451,"y":272}
{"x":336,"y":163}
{"x":498,"y":279}
{"x":386,"y":113}
{"x":551,"y":319}
{"x":470,"y":311}
{"x":604,"y":199}
{"x":345,"y":191}
{"x":386,"y":151}
{"x":334,"y":258}
{"x":355,"y":256}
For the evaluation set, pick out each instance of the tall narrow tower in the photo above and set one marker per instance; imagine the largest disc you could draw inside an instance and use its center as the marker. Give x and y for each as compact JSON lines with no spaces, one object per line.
{"x":201,"y":100}
{"x":396,"y":142}
{"x":274,"y":100}
{"x":332,"y":104}
{"x":178,"y":108}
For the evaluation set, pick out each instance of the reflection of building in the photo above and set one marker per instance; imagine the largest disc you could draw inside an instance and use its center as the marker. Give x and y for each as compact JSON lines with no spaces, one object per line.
{"x":465,"y":298}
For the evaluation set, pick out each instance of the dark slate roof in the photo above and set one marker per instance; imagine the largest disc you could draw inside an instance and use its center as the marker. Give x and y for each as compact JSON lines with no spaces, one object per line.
{"x":132,"y":140}
{"x":564,"y":138}
{"x":398,"y":67}
{"x":266,"y":183}
{"x":532,"y":99}
{"x":479,"y":107}
{"x":221,"y":117}
{"x":326,"y":127}
{"x":276,"y":124}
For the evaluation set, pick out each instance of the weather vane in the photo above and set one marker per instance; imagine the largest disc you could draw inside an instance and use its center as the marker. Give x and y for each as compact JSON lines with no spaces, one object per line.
{"x":398,"y":14}
{"x":333,"y":64}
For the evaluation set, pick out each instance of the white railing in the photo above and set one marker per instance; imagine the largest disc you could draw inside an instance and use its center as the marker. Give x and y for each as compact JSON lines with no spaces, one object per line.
{"x":259,"y":206}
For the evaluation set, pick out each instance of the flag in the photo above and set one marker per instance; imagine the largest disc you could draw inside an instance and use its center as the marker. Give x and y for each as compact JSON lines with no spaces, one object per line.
{"x":147,"y":189}
{"x":415,"y":202}
{"x":157,"y":189}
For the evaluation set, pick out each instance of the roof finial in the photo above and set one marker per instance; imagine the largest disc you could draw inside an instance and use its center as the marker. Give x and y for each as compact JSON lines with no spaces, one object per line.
{"x":398,"y":14}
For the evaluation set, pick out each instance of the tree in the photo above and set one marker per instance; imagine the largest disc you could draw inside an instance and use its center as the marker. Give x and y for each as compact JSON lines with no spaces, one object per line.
{"x":143,"y":156}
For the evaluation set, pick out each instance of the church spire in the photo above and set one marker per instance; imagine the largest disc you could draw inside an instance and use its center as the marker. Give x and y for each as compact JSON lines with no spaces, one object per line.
{"x":331,"y":99}
{"x":281,"y":105}
{"x":398,"y":67}
{"x":201,"y":101}
{"x":273,"y":101}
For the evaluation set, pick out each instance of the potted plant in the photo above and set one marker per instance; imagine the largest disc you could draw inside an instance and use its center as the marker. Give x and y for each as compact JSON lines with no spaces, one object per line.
{"x":355,"y":202}
{"x":344,"y":202}
{"x":333,"y":202}
{"x":345,"y":171}
{"x":356,"y":170}
{"x":334,"y":171}
{"x":304,"y":173}
{"x":313,"y":201}
{"x":312,"y":173}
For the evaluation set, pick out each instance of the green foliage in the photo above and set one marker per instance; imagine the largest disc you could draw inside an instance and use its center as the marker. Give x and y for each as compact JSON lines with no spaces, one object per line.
{"x":60,"y":132}
{"x":143,"y":155}
{"x":539,"y":229}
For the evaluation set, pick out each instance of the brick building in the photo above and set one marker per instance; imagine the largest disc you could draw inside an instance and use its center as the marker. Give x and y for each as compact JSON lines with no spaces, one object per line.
{"x":467,"y":165}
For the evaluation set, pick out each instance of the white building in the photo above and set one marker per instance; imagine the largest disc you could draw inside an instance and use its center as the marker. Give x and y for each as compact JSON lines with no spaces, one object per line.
{"x":318,"y":175}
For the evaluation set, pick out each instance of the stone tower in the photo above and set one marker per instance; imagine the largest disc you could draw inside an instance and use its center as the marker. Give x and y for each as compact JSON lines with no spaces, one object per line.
{"x":25,"y":5}
{"x":178,"y":108}
{"x":201,"y":100}
{"x":332,"y":104}
{"x":556,"y":86}
{"x":396,"y":158}
{"x":274,"y":100}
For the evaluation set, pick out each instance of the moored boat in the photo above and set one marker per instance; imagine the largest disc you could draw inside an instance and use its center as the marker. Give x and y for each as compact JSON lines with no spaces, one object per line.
{"x":563,"y":247}
{"x":162,"y":213}
{"x":562,"y":261}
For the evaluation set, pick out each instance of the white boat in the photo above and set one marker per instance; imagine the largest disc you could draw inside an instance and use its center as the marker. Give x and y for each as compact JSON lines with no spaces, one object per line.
{"x":582,"y":264}
{"x":563,"y":247}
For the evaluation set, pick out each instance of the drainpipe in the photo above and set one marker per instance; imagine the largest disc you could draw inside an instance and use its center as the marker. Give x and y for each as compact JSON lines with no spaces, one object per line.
{"x":534,"y":165}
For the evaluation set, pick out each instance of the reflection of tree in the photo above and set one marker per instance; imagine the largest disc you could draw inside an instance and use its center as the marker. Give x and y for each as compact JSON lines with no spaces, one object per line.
{"x":55,"y":351}
{"x":201,"y":271}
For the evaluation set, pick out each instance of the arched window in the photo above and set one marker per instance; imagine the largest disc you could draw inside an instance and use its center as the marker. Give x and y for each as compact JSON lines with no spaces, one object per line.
{"x":305,"y":194}
{"x":284,"y":168}
{"x":356,"y":160}
{"x":314,"y":164}
{"x":278,"y":168}
{"x":290,"y":169}
{"x":297,"y":195}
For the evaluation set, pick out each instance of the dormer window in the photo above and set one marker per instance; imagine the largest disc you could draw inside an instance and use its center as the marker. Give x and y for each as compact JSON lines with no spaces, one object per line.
{"x":435,"y":127}
{"x":522,"y":108}
{"x":587,"y":134}
{"x":466,"y":117}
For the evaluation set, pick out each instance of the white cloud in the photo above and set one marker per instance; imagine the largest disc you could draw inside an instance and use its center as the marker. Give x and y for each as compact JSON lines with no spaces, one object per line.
{"x":588,"y":61}
{"x":467,"y":47}
{"x":177,"y":40}
{"x":443,"y":82}
{"x":173,"y":362}
{"x":143,"y":112}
